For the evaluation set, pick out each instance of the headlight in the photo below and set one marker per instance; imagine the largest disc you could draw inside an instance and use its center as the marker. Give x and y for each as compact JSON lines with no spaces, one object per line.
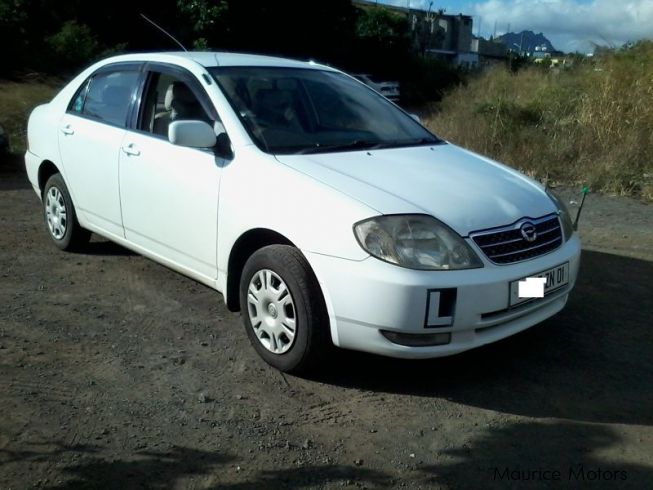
{"x":415,"y":241}
{"x":563,"y":213}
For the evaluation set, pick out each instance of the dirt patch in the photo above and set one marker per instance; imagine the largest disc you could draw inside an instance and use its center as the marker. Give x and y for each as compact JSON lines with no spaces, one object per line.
{"x":116,"y":372}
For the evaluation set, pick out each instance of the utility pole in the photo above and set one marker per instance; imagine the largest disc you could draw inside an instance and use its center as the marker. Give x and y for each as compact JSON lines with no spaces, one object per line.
{"x":428,"y":31}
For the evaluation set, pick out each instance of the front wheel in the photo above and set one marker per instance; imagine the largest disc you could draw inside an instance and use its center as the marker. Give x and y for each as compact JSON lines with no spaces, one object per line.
{"x":60,"y":218}
{"x":283,"y":309}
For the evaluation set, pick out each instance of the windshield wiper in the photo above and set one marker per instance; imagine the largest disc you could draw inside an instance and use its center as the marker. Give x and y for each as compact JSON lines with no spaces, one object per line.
{"x":415,"y":142}
{"x":352,"y":145}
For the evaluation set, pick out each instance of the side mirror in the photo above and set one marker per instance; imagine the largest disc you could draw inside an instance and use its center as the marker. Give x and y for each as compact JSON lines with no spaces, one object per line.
{"x":193,"y":134}
{"x":223,"y":146}
{"x":222,"y":143}
{"x":416,"y":117}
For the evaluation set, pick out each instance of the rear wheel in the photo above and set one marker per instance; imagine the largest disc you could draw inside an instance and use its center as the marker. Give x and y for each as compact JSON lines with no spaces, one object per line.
{"x":60,"y":218}
{"x":283,"y":309}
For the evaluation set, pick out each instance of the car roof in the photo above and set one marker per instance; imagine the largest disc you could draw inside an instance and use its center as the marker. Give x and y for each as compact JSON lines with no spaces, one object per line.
{"x":220,"y":58}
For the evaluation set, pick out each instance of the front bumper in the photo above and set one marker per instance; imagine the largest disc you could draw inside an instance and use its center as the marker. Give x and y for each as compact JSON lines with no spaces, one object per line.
{"x":368,"y":296}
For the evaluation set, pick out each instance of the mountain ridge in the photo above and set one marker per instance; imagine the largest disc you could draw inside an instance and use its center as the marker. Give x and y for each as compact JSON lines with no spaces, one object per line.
{"x":526,"y":40}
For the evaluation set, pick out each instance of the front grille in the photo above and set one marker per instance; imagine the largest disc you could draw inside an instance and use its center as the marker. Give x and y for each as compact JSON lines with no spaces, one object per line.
{"x":507,"y":244}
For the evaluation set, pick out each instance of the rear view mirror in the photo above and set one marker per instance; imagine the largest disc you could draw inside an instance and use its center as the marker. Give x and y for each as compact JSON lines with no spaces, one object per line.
{"x":193,"y":134}
{"x":416,"y":117}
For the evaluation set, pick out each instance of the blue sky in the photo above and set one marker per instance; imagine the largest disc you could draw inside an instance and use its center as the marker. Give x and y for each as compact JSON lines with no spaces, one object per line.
{"x":571,"y":25}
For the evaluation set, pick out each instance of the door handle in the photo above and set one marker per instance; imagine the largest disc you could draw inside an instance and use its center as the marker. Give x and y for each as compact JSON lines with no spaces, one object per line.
{"x":130,"y":150}
{"x":67,"y":129}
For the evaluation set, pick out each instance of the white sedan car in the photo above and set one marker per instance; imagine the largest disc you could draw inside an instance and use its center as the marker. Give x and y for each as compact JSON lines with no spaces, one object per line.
{"x":319,"y":209}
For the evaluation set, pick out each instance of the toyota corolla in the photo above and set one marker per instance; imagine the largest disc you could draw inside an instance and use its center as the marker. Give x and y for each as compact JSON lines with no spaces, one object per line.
{"x":320,"y":210}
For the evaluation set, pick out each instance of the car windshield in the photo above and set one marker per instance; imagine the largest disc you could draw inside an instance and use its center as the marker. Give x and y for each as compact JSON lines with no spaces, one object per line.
{"x":297,"y":110}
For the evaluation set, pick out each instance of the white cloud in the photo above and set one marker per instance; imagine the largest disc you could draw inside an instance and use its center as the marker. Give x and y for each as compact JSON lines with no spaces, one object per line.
{"x":570,"y":24}
{"x":414,"y":4}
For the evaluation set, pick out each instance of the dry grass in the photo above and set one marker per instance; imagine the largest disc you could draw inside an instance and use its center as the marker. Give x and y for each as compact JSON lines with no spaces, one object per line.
{"x":17,"y":99}
{"x":591,"y":124}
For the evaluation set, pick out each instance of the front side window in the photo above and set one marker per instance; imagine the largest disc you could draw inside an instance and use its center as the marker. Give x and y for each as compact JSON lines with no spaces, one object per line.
{"x":169,"y":99}
{"x":106,"y":96}
{"x":295,"y":110}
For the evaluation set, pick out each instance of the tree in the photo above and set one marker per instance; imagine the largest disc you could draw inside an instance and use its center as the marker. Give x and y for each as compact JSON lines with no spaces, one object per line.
{"x":12,"y":34}
{"x":74,"y":44}
{"x":206,"y":17}
{"x":380,"y":26}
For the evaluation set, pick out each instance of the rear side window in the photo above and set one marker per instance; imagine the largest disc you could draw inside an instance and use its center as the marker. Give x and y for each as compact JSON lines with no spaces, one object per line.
{"x":106,"y":96}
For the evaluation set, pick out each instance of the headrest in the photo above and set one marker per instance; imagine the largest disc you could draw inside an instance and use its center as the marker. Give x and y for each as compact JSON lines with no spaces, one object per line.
{"x":178,"y":92}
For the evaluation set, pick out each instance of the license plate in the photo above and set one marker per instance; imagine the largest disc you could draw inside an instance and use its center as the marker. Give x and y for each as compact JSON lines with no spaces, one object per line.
{"x":556,"y":278}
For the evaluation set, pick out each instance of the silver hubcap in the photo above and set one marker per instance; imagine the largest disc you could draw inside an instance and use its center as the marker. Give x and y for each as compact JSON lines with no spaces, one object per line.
{"x":55,"y":213}
{"x":271,"y":311}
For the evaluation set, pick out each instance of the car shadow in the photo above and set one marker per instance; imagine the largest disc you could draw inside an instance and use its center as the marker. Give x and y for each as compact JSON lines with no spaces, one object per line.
{"x":106,"y":247}
{"x":592,"y":362}
{"x":84,"y":466}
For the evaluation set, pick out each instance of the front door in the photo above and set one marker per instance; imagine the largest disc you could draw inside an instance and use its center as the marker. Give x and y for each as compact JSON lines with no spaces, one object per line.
{"x":169,"y":193}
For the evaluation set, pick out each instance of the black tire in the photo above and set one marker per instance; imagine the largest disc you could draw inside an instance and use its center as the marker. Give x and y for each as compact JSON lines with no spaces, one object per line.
{"x":74,"y":237}
{"x":312,"y":338}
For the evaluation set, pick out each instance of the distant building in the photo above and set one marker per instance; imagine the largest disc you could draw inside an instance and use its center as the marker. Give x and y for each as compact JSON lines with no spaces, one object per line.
{"x":437,"y":34}
{"x":456,"y":41}
{"x":491,"y":51}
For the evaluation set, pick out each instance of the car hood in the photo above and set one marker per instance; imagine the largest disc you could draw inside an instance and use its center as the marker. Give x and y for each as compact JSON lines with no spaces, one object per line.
{"x":466,"y":191}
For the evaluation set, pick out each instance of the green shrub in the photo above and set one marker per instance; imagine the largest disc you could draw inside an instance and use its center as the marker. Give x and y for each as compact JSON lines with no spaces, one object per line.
{"x":425,"y":80}
{"x":74,"y":44}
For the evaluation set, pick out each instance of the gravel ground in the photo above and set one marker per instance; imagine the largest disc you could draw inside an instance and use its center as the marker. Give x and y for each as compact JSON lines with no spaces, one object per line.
{"x":116,"y":372}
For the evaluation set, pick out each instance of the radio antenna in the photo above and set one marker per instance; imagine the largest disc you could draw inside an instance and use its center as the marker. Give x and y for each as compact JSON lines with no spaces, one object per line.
{"x":164,"y":31}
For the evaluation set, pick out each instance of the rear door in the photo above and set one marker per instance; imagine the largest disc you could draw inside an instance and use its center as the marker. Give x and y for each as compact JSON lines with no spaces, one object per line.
{"x":90,"y":137}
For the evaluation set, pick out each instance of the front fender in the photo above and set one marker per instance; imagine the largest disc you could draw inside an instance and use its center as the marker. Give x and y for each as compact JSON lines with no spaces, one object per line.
{"x":259,"y":192}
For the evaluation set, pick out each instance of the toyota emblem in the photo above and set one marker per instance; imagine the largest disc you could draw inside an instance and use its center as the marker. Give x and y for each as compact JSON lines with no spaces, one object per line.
{"x":528,"y":232}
